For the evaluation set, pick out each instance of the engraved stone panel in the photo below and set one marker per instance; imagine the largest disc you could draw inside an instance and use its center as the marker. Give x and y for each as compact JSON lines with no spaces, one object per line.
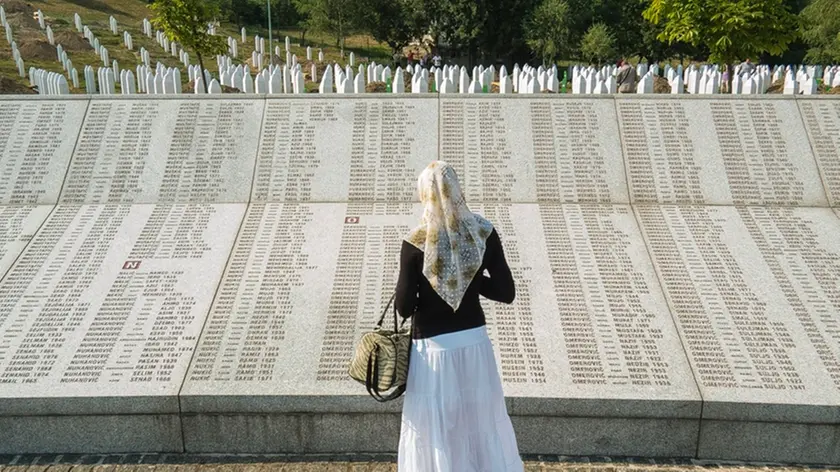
{"x":36,"y":140}
{"x":343,"y":149}
{"x":720,"y":152}
{"x":755,"y":295}
{"x":165,"y":151}
{"x":18,"y":225}
{"x":822,"y":121}
{"x":306,"y":280}
{"x":534,"y":149}
{"x":108,"y":301}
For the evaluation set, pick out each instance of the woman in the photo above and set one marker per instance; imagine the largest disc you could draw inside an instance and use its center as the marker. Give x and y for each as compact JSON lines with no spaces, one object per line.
{"x":454,"y":415}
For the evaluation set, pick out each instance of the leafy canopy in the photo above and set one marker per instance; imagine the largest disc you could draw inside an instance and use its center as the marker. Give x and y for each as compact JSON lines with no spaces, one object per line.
{"x":547,"y":30}
{"x":185,"y":22}
{"x":821,"y":31}
{"x":597,"y":44}
{"x":730,"y":29}
{"x":334,"y":17}
{"x":393,"y":22}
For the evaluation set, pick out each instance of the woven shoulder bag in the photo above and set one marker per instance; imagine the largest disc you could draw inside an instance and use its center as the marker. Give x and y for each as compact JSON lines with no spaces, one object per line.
{"x":381,"y":360}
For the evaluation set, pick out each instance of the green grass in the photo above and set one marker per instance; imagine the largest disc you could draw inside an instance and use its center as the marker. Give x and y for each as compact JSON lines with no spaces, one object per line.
{"x":130,"y":13}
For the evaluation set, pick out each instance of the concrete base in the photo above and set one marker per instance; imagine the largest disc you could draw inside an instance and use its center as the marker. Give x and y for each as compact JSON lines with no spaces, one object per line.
{"x":292,"y":433}
{"x":770,"y":442}
{"x":336,"y":433}
{"x":90,"y":434}
{"x":606,"y":436}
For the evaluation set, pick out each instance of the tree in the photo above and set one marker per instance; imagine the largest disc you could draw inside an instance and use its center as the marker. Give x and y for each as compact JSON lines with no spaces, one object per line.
{"x":731,"y":29}
{"x":597,"y":44}
{"x":241,"y":12}
{"x":334,"y":17}
{"x":393,"y":22}
{"x":547,"y":30}
{"x":185,"y":22}
{"x":503,"y":34}
{"x":821,"y":31}
{"x":458,"y":24}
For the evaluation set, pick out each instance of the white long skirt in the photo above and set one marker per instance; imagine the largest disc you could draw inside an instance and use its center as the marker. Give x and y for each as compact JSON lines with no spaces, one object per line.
{"x":454,"y":415}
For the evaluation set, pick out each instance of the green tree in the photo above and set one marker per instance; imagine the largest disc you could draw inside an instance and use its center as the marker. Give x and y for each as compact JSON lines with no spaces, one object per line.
{"x":333,"y":17}
{"x":547,"y":30}
{"x":241,"y":12}
{"x":185,"y":22}
{"x":458,"y":24}
{"x":821,"y":31}
{"x":393,"y":22}
{"x":598,"y":44}
{"x":503,"y":34}
{"x":731,"y":29}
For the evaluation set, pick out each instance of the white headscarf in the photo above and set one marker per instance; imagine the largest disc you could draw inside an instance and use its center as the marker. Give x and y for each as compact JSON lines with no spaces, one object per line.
{"x":453,"y":239}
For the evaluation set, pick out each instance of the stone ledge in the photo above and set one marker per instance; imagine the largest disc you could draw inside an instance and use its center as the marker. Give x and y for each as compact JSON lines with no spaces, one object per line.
{"x":778,"y":442}
{"x":771,"y":413}
{"x":102,"y":434}
{"x":89,"y":405}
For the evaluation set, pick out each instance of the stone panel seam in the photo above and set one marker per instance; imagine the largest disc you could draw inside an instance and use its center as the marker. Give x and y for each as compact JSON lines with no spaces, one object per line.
{"x":624,"y":162}
{"x":823,"y":181}
{"x":204,"y":325}
{"x":257,"y":152}
{"x":73,"y":153}
{"x":674,"y":321}
{"x":34,"y":235}
{"x":222,"y":276}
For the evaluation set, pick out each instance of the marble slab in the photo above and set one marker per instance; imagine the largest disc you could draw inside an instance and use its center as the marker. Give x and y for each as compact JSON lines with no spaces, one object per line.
{"x":822,"y":122}
{"x":18,"y":225}
{"x":590,"y":329}
{"x":343,"y":149}
{"x":755,"y":297}
{"x":524,"y":149}
{"x":718,"y":152}
{"x":36,"y":140}
{"x":101,"y":313}
{"x":146,"y":150}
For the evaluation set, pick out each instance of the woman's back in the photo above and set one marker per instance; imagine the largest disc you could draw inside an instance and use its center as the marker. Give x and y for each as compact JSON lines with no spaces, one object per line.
{"x":432,"y":315}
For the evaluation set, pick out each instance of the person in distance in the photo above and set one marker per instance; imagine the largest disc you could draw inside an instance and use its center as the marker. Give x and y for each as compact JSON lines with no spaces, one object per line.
{"x":454,"y":415}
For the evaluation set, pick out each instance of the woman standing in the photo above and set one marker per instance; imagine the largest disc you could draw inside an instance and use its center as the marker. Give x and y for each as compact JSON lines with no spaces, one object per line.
{"x":454,"y":414}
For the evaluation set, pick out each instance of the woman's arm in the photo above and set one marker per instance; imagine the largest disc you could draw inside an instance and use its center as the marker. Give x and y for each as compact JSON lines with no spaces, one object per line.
{"x":408,"y":284}
{"x":499,"y":286}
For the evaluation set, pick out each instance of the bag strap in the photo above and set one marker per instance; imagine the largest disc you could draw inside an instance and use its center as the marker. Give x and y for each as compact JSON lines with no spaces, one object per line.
{"x":373,"y":372}
{"x":385,"y":311}
{"x":397,"y":325}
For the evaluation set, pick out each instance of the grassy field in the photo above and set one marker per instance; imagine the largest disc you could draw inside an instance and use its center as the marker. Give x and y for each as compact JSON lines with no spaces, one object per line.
{"x":129,"y":14}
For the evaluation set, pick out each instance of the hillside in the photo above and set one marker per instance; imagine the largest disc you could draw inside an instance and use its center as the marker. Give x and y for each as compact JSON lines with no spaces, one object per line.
{"x":37,"y":52}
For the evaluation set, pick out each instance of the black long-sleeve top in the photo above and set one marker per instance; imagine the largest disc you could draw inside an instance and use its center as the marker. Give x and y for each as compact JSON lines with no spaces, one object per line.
{"x":432,"y":315}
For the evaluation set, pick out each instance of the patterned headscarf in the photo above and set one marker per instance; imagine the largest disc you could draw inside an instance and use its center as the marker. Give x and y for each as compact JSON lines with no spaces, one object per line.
{"x":453,"y":239}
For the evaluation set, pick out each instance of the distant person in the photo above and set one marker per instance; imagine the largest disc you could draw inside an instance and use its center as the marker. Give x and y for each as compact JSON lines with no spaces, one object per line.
{"x":626,"y":78}
{"x":437,"y":60}
{"x":724,"y":82}
{"x":411,"y":58}
{"x":454,"y":417}
{"x":745,"y":68}
{"x":397,"y":59}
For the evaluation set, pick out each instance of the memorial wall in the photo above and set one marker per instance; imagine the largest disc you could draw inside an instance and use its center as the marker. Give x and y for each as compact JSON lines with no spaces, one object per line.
{"x":822,"y":120}
{"x":221,"y":256}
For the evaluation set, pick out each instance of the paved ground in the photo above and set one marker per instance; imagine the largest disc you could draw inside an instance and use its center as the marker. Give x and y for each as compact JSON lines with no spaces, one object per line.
{"x":354,"y":463}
